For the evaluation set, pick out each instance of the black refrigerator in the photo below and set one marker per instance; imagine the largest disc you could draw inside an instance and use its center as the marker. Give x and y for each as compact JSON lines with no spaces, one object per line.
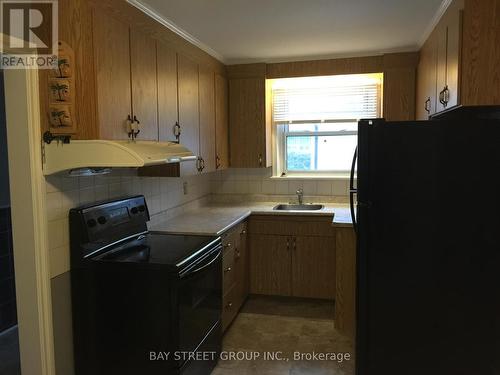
{"x":428,"y":246}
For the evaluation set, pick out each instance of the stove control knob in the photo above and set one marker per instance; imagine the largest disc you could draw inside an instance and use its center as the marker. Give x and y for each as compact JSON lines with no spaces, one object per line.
{"x":134,"y":210}
{"x":91,"y":223}
{"x":102,"y":220}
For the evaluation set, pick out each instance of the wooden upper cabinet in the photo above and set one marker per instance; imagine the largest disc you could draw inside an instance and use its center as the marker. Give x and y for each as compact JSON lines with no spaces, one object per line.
{"x":221,"y":123}
{"x":143,"y":84}
{"x":449,"y":37}
{"x":249,"y":123}
{"x":426,"y":80}
{"x":454,"y":22}
{"x":313,"y":272}
{"x":188,"y":109}
{"x":167,"y":91}
{"x":112,"y":75}
{"x":441,"y":36}
{"x":481,"y":53}
{"x":207,"y":119}
{"x":438,"y":75}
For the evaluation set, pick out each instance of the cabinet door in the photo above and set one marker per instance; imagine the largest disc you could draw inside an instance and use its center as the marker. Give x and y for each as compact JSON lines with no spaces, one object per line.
{"x":144,"y":84}
{"x":207,"y":119}
{"x":313,"y":262}
{"x":221,"y":122}
{"x":441,"y":40}
{"x":345,"y":296}
{"x":241,"y":265}
{"x":270,"y":265}
{"x":426,"y":79}
{"x":453,"y":18}
{"x":188,"y":109}
{"x":247,"y":122}
{"x":166,"y":58}
{"x":112,"y":69}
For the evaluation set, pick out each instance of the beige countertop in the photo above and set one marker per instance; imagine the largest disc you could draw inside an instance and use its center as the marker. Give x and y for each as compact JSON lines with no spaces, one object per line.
{"x":215,"y":218}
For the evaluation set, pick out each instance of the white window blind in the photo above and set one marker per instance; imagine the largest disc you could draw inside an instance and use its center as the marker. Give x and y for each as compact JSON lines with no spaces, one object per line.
{"x":325,"y":99}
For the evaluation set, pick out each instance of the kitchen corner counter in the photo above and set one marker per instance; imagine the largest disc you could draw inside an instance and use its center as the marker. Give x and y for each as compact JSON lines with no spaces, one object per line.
{"x":215,"y":219}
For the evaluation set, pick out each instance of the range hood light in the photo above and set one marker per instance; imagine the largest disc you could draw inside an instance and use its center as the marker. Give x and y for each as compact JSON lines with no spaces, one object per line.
{"x":82,"y":172}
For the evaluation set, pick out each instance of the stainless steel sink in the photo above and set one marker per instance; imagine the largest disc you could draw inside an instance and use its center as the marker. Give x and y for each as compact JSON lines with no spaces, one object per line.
{"x":298,"y":207}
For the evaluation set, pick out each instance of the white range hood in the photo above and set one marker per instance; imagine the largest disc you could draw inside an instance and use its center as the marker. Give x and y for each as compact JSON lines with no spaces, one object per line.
{"x":59,"y":156}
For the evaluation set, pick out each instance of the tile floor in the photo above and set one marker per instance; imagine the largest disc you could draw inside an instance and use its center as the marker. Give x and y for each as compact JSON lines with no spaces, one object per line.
{"x":288,"y":325}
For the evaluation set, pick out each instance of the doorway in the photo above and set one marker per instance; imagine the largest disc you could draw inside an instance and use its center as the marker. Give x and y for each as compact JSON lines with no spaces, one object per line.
{"x":9,"y":338}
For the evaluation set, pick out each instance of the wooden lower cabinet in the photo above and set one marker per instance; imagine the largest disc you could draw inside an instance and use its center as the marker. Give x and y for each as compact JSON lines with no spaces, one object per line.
{"x":313,"y":267}
{"x":234,"y":272}
{"x":270,"y":265}
{"x":345,"y":300}
{"x":299,"y":266}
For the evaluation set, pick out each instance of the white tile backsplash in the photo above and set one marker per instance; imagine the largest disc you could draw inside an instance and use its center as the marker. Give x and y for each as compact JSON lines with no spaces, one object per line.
{"x":258,"y":181}
{"x":282,"y":187}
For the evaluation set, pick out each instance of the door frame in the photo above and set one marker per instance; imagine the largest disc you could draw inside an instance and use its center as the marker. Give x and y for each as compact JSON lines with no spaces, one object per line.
{"x":29,"y":222}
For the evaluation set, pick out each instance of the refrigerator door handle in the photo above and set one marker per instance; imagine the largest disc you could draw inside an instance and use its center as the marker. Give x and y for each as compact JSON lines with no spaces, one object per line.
{"x":352,"y":190}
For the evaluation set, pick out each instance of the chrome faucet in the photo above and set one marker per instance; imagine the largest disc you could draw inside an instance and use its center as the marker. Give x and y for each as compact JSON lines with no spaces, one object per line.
{"x":300,"y":195}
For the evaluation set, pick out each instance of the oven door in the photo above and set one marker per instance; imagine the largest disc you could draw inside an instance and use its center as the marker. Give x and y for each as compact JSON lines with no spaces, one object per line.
{"x":200,"y":300}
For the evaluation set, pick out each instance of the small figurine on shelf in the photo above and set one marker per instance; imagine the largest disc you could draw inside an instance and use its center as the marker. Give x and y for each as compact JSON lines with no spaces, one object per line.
{"x":63,"y":67}
{"x":60,"y":117}
{"x":60,"y":90}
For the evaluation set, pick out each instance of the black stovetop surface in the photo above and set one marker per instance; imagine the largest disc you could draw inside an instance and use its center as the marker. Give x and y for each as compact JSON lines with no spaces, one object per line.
{"x":158,"y":248}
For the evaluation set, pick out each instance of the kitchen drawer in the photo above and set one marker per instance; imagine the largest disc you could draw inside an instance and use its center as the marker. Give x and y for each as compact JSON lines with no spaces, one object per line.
{"x":229,"y":307}
{"x":228,"y":269}
{"x":234,"y":236}
{"x":292,"y":225}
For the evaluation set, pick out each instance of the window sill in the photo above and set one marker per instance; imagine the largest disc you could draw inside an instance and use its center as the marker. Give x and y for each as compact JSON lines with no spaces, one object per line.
{"x":334,"y":176}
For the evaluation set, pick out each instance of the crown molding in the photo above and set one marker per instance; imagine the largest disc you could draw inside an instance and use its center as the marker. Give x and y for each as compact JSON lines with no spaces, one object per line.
{"x":434,"y":21}
{"x":274,"y":60}
{"x":176,"y":29}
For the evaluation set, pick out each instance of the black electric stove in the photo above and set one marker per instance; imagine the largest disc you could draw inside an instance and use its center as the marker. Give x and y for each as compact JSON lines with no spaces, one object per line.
{"x":136,"y":294}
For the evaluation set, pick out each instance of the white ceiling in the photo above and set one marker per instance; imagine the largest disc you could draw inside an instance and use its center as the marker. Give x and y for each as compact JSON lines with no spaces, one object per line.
{"x":241,"y":31}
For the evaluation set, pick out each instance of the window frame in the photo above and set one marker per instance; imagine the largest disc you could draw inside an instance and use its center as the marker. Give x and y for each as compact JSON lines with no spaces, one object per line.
{"x":280,"y":142}
{"x":282,"y":135}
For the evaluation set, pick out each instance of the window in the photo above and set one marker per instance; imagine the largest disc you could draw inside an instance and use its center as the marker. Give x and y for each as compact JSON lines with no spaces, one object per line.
{"x":316,"y":121}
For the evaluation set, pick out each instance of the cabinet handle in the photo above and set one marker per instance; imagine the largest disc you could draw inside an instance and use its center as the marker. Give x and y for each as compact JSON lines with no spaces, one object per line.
{"x":217,"y":162}
{"x":202,"y":165}
{"x":198,"y":164}
{"x":228,"y":269}
{"x":294,"y":243}
{"x":177,"y":132}
{"x":287,"y":244}
{"x":260,"y":160}
{"x":427,"y":105}
{"x":229,"y":305}
{"x":133,"y":127}
{"x":228,"y":245}
{"x":237,"y":254}
{"x":446,"y":95}
{"x":442,"y":96}
{"x":243,"y":232}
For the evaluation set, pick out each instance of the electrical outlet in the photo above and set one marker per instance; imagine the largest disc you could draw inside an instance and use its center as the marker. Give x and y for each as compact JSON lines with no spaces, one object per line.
{"x":185,"y":187}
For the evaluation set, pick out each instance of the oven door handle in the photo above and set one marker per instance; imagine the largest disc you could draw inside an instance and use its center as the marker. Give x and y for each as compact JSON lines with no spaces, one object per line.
{"x":199,"y":269}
